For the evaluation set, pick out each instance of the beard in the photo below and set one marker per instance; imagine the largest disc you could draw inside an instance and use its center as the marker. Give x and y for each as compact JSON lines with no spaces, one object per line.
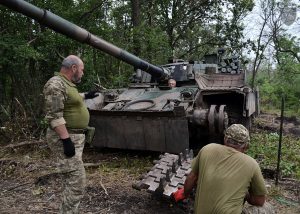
{"x":75,"y":78}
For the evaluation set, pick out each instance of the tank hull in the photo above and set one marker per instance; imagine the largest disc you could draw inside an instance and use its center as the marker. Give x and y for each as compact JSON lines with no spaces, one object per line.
{"x":154,"y":132}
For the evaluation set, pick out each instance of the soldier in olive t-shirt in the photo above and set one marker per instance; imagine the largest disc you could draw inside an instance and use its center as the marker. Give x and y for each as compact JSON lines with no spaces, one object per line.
{"x":225,"y":176}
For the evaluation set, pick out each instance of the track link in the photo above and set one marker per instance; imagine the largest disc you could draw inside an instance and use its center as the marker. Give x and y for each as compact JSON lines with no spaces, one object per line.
{"x":167,"y":175}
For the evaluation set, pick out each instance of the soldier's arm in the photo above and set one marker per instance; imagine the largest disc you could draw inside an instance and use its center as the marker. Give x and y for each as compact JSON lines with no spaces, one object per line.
{"x":192,"y":178}
{"x":55,"y":96}
{"x":256,"y":200}
{"x":189,"y":183}
{"x":257,"y":192}
{"x":62,"y":131}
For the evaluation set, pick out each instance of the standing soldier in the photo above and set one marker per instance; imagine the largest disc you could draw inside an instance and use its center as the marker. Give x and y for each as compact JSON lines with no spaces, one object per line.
{"x":68,"y":119}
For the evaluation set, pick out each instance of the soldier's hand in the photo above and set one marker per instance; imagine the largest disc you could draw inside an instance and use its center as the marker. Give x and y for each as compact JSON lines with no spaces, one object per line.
{"x":69,"y":148}
{"x":91,"y":95}
{"x":179,"y":195}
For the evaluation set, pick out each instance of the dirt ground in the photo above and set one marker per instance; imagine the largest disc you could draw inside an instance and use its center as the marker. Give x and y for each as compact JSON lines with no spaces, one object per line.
{"x":28,"y":184}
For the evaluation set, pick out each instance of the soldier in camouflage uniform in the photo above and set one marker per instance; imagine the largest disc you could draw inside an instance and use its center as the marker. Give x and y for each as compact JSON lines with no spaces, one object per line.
{"x":68,"y":119}
{"x":226,"y":177}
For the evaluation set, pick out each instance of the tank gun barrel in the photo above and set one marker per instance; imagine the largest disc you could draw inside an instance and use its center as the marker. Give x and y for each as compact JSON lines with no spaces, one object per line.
{"x":79,"y":34}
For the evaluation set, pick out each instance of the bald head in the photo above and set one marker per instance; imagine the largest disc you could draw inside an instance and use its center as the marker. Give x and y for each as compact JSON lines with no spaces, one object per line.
{"x":71,"y":60}
{"x":72,"y":67}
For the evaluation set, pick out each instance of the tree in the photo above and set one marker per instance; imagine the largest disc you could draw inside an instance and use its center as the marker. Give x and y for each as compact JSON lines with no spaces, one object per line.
{"x":136,"y":21}
{"x":259,"y":45}
{"x":283,"y":50}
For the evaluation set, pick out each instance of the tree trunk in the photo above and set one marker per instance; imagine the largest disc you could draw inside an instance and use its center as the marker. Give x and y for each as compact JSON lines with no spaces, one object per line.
{"x":136,"y":21}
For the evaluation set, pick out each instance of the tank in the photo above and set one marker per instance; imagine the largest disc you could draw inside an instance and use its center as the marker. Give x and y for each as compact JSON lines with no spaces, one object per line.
{"x":149,"y":115}
{"x":209,"y":95}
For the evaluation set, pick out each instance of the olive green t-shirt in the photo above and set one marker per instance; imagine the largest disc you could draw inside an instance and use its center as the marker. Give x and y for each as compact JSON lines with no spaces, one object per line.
{"x":224,"y":177}
{"x":63,"y":104}
{"x":76,"y":114}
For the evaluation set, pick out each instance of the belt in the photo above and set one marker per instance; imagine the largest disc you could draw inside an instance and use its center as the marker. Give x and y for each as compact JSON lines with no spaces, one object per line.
{"x":77,"y":131}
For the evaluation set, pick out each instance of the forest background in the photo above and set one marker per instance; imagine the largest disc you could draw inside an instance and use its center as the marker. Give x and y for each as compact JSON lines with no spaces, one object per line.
{"x":153,"y":30}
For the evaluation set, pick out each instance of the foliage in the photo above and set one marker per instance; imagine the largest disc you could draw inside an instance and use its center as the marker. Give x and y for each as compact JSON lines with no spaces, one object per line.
{"x":282,"y":82}
{"x":271,"y":41}
{"x":265,"y":145}
{"x":31,"y":53}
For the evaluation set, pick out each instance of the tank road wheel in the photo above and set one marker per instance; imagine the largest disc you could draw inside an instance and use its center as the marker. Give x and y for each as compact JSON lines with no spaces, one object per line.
{"x":222,"y":119}
{"x":211,"y":119}
{"x":150,"y":104}
{"x":217,"y":122}
{"x":217,"y":119}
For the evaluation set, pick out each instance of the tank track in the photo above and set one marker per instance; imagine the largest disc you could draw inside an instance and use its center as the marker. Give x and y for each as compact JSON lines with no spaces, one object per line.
{"x":167,"y":175}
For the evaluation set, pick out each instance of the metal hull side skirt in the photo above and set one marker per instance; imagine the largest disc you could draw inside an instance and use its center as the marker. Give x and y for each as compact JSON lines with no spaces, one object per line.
{"x":141,"y":133}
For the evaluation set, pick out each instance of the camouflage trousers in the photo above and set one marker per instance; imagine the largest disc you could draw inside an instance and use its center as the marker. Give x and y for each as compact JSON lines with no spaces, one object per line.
{"x":266,"y":209}
{"x":72,"y":171}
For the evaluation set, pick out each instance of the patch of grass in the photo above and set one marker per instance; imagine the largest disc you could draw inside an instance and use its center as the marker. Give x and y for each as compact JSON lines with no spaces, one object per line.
{"x":275,"y":191}
{"x":265,"y":145}
{"x":270,"y":109}
{"x":285,"y":201}
{"x":135,"y":166}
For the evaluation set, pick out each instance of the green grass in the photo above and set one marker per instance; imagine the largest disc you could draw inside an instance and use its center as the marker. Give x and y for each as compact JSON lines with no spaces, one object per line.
{"x":271,"y":109}
{"x":135,"y":166}
{"x":265,"y":145}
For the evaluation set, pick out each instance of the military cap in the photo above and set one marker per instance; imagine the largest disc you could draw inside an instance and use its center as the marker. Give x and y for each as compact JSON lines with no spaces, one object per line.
{"x":238,"y":133}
